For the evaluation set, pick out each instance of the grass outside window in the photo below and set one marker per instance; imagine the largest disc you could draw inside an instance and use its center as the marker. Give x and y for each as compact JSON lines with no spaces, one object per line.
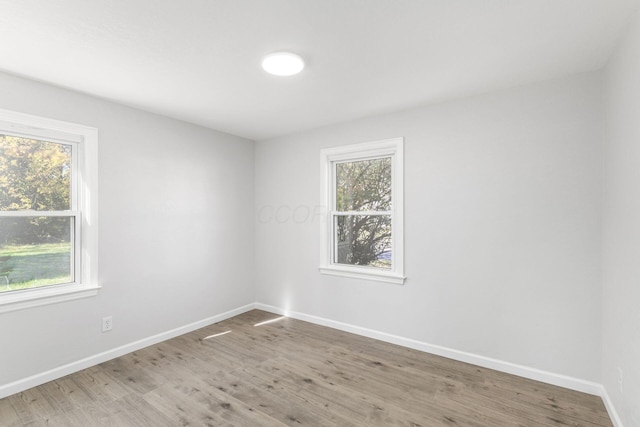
{"x":30,"y":266}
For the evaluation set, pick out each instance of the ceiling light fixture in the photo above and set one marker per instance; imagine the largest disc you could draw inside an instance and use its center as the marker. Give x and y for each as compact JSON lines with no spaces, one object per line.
{"x":282,"y":63}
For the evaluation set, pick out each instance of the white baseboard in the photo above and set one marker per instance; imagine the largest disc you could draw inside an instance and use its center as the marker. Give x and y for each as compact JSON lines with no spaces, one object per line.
{"x":38,"y":379}
{"x":462,"y":356}
{"x":608,"y":403}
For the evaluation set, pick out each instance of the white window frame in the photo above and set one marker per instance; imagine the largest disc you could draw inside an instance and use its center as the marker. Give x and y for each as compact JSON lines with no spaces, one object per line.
{"x":356,"y":152}
{"x":84,"y":209}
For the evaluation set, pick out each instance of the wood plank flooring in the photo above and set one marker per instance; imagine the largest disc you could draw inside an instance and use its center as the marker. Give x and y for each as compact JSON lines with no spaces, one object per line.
{"x":290,"y":372}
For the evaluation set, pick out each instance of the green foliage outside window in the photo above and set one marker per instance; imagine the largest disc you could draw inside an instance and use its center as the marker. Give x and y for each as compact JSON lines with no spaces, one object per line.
{"x":34,"y":175}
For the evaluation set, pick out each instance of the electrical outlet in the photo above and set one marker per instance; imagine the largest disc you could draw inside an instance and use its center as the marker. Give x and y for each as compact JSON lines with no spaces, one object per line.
{"x":620,"y":380}
{"x":107,"y":324}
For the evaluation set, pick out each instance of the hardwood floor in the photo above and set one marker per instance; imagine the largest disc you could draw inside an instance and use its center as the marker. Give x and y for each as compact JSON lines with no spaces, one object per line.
{"x":290,"y":372}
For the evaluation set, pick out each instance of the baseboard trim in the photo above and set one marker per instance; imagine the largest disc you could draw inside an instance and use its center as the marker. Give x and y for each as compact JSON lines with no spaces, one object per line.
{"x":462,"y":356}
{"x":611,"y":409}
{"x":38,"y":379}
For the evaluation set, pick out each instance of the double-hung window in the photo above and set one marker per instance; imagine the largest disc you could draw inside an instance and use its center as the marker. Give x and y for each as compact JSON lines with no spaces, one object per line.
{"x":48,"y":211}
{"x":362,"y":188}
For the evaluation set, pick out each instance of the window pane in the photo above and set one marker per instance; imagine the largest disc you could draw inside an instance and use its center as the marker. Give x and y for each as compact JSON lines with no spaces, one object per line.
{"x":364,"y":185}
{"x":363,"y":240}
{"x":35,"y":251}
{"x":34,"y":175}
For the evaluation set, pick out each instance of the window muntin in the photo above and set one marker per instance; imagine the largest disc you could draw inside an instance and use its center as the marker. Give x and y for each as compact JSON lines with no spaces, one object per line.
{"x":362,"y":189}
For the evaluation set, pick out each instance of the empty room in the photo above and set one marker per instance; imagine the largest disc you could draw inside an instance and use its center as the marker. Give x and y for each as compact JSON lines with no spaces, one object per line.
{"x":320,"y":212}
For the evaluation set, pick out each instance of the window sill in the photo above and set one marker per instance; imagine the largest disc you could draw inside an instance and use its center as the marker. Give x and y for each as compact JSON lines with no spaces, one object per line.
{"x":365,"y":274}
{"x":21,"y":300}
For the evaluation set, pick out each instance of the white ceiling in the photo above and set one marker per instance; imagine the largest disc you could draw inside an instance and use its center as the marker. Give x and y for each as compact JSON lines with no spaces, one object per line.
{"x":199,"y":60}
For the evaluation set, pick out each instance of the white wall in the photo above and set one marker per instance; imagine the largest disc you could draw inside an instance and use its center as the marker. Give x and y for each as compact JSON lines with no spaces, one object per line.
{"x":176,"y":219}
{"x":621,"y":225}
{"x":502,"y":220}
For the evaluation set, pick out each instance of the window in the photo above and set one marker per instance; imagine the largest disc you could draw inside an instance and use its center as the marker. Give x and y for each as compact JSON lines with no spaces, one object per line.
{"x":48,"y":211}
{"x":362,"y":236}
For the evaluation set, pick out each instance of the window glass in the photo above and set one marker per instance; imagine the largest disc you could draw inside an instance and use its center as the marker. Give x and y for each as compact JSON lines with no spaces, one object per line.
{"x":363,"y":240}
{"x":34,"y":174}
{"x":35,"y":250}
{"x":364,"y":185}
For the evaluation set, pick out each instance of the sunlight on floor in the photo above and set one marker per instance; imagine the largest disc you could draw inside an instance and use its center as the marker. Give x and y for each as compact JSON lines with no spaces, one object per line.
{"x":270,"y":321}
{"x":216,"y":335}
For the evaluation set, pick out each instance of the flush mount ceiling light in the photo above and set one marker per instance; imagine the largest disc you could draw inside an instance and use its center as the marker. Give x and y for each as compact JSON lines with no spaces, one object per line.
{"x":282,"y":63}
